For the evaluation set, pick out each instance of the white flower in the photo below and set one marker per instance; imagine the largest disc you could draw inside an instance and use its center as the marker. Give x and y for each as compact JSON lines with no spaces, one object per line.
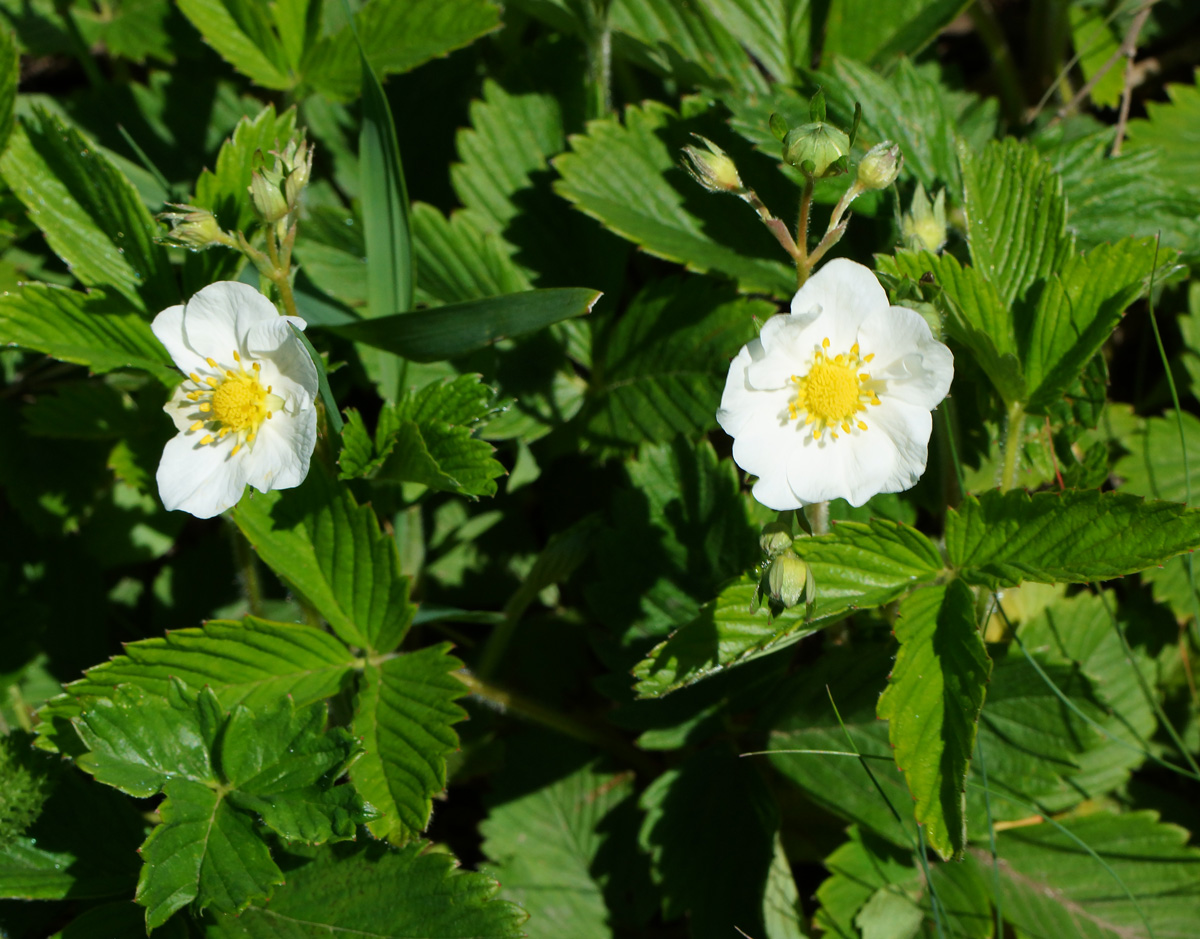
{"x":833,"y":399}
{"x":245,"y":413}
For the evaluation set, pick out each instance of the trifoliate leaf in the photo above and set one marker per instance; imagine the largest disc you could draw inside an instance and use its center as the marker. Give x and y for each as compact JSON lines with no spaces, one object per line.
{"x":219,"y":773}
{"x":405,"y":713}
{"x":932,"y":704}
{"x":332,"y":552}
{"x":381,"y":893}
{"x":90,"y":213}
{"x":1001,"y":539}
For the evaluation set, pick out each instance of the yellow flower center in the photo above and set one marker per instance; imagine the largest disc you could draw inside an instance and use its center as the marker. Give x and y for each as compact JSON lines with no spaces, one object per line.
{"x":833,"y":392}
{"x":235,"y":402}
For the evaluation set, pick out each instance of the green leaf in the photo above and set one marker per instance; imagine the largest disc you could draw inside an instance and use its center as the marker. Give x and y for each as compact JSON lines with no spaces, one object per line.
{"x":546,"y":846}
{"x":218,"y":773}
{"x":379,"y":893}
{"x":678,"y":530}
{"x":242,"y":32}
{"x":1077,"y":310}
{"x":731,"y":630}
{"x":932,"y":704}
{"x":718,"y":870}
{"x":1096,"y":44}
{"x":862,"y":30}
{"x":876,"y":890}
{"x":224,"y":190}
{"x":397,"y":37}
{"x":1014,"y":242}
{"x":1155,"y":465}
{"x":87,"y":329}
{"x":122,"y":918}
{"x":627,"y":177}
{"x":428,"y":438}
{"x":459,"y":261}
{"x":1173,"y":131}
{"x":1074,"y":537}
{"x":774,"y":32}
{"x":10,"y":74}
{"x":658,"y":369}
{"x":404,"y":713}
{"x":253,"y":662}
{"x":91,"y":215}
{"x":459,"y":328}
{"x":332,"y":552}
{"x":1051,"y":886}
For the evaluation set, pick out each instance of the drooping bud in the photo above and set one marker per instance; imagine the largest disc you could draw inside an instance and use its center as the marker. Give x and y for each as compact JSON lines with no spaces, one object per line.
{"x":880,"y":167}
{"x":714,"y":170}
{"x":816,"y":149}
{"x":925,"y":224}
{"x":192,"y":227}
{"x":790,"y":579}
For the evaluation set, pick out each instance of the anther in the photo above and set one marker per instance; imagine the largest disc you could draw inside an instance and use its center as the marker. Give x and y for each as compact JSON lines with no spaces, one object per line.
{"x":236,"y":357}
{"x":862,"y":425}
{"x":868,"y":358}
{"x":212,"y":363}
{"x":196,"y":426}
{"x":205,"y":407}
{"x":825,"y":343}
{"x":206,"y":440}
{"x":194,"y":377}
{"x":211,"y":382}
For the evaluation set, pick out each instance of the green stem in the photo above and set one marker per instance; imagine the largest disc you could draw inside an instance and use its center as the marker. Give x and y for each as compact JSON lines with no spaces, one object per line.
{"x":1012,"y":445}
{"x":802,"y":263}
{"x":247,"y":566}
{"x":579,"y":728}
{"x":599,"y":54}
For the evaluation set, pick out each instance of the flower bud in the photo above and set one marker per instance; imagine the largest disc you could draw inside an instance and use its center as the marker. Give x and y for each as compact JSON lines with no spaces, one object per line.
{"x":714,"y":170}
{"x":925,"y":224}
{"x":192,"y":227}
{"x":879,"y":167}
{"x":299,"y":163}
{"x":815,"y":149}
{"x":269,"y":200}
{"x":776,"y":538}
{"x":790,"y":579}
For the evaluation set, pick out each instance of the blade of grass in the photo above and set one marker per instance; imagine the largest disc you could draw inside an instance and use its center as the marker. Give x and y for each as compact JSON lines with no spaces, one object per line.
{"x":987,"y":804}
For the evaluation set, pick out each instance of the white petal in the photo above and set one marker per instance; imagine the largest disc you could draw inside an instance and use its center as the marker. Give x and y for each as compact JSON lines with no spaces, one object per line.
{"x":843,"y":288}
{"x":168,"y":328}
{"x":217,"y":318}
{"x":286,"y":365}
{"x":279,"y":456}
{"x":918,"y":368}
{"x":748,"y":415}
{"x":907,"y":428}
{"x":201,"y":480}
{"x":183,"y":411}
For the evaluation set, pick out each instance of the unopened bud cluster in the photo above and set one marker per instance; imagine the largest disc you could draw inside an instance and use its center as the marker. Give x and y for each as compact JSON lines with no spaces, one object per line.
{"x":193,"y":227}
{"x":275,"y":190}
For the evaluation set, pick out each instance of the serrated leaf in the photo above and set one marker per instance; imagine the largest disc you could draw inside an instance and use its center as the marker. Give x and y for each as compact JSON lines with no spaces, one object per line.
{"x":91,"y":215}
{"x":932,"y":704}
{"x":545,"y":846}
{"x":859,"y":29}
{"x":1051,"y":886}
{"x":1077,"y":311}
{"x":397,"y":37}
{"x":1170,"y":129}
{"x":253,"y":662}
{"x":877,"y":890}
{"x":381,"y":893}
{"x":1014,"y":242}
{"x":404,"y":713}
{"x":218,"y":772}
{"x":1157,"y":466}
{"x":460,"y":262}
{"x":716,"y":871}
{"x":429,"y":438}
{"x":627,"y":177}
{"x":456,"y":329}
{"x":1001,"y":539}
{"x":243,"y":33}
{"x":87,"y":329}
{"x":731,"y":630}
{"x":10,"y":69}
{"x":1097,"y":46}
{"x":774,"y":32}
{"x":659,"y":368}
{"x":332,"y":552}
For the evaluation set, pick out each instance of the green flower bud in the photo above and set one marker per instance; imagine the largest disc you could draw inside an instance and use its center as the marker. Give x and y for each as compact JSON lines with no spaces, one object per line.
{"x":790,"y":579}
{"x":713,"y":170}
{"x":816,"y":149}
{"x":192,"y":227}
{"x":776,"y":538}
{"x":269,"y":201}
{"x":925,"y":224}
{"x":879,"y":167}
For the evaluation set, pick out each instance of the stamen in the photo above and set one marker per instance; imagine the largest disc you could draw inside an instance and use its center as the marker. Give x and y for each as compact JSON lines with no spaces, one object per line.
{"x":211,"y":382}
{"x":206,"y":440}
{"x":196,"y":426}
{"x":194,"y":377}
{"x":236,"y":357}
{"x":205,"y":406}
{"x":212,"y":363}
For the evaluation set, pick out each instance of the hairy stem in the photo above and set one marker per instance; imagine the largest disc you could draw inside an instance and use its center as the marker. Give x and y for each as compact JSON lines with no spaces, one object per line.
{"x":1012,"y":445}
